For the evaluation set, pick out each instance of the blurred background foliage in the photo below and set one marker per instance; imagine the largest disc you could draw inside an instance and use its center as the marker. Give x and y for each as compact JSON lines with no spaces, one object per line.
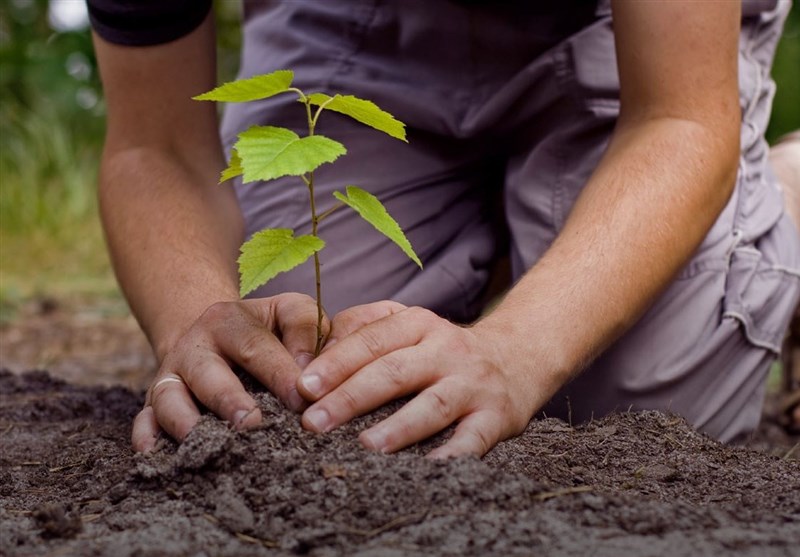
{"x":51,"y":133}
{"x":51,"y":136}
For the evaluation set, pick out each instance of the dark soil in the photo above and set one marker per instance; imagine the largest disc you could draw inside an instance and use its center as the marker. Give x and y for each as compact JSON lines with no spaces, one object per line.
{"x":632,"y":484}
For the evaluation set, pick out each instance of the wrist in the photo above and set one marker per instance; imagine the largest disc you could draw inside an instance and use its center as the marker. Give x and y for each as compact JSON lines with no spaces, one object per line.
{"x":536,"y":367}
{"x":168,"y":326}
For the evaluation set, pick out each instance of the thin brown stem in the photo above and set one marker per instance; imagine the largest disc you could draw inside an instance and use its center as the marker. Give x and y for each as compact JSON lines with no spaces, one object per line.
{"x":325,"y":214}
{"x":312,"y":120}
{"x":314,"y":224}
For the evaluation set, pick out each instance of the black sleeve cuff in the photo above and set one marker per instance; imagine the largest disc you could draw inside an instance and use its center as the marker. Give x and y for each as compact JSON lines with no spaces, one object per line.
{"x":146,"y":22}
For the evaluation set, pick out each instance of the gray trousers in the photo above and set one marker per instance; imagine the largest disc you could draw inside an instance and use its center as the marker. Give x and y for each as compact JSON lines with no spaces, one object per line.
{"x":509,"y":107}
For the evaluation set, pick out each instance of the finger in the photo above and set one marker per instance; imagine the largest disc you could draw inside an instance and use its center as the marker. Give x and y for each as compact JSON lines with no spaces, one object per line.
{"x":367,"y":344}
{"x":296,"y":317}
{"x":173,"y":407}
{"x":213,"y":383}
{"x":145,"y":431}
{"x":246,"y":341}
{"x":427,"y":414}
{"x":475,"y":435}
{"x":397,"y":374}
{"x":351,"y":319}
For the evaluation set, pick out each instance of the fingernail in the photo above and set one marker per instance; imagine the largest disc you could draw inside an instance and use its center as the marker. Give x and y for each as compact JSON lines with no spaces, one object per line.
{"x":312,"y":383}
{"x":296,"y":403}
{"x":319,"y":419}
{"x":303,"y":360}
{"x":240,"y":416}
{"x":375,"y":441}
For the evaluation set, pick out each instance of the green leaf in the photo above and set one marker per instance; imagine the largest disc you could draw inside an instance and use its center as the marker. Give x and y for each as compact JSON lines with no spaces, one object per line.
{"x":234,"y":167}
{"x":268,"y":152}
{"x":366,"y":112}
{"x":251,"y":88}
{"x":373,"y":211}
{"x":273,"y":251}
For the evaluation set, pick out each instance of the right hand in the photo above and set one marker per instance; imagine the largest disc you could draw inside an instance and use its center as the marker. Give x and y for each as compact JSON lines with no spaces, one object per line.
{"x":273,"y":339}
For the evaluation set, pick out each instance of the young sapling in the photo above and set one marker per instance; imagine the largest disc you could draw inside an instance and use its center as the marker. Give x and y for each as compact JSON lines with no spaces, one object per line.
{"x":267,"y":152}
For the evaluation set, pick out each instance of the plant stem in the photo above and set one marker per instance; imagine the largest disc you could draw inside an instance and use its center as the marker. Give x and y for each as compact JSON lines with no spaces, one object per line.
{"x":323,"y":215}
{"x":312,"y":121}
{"x":314,"y":223}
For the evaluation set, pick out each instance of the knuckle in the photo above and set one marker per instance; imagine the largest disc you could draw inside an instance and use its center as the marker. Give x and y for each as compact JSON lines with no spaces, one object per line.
{"x":392,"y":369}
{"x":481,"y":440}
{"x":370,"y":341}
{"x":300,"y":299}
{"x":249,"y":348}
{"x":442,"y":405}
{"x":215,"y":312}
{"x":221,"y":401}
{"x":349,"y":401}
{"x":393,"y":306}
{"x":420,"y":314}
{"x":295,"y":303}
{"x":457,"y":343}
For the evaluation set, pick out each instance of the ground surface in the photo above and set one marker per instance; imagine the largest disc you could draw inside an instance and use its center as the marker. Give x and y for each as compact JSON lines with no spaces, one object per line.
{"x":632,"y":484}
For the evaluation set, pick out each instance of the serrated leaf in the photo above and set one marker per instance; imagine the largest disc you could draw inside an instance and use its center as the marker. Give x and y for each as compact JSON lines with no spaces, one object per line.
{"x":366,"y":112}
{"x":268,"y":152}
{"x":373,"y":211}
{"x":251,"y":88}
{"x":234,"y":168}
{"x":270,"y":252}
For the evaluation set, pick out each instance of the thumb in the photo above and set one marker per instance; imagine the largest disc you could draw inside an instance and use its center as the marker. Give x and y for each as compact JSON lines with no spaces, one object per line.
{"x":296,"y":320}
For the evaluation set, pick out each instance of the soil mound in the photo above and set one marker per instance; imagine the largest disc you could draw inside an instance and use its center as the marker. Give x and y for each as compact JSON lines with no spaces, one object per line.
{"x":641,"y":484}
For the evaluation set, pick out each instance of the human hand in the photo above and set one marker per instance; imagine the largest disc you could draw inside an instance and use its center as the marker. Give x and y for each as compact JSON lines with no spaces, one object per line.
{"x":382,"y":351}
{"x":272,"y":338}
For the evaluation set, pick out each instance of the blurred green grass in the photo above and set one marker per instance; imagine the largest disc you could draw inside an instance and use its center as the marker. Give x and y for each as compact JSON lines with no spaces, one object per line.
{"x":52,"y":118}
{"x":51,"y":124}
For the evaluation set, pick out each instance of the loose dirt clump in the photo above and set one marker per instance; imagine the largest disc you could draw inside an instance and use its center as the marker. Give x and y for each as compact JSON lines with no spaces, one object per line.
{"x":631,"y":484}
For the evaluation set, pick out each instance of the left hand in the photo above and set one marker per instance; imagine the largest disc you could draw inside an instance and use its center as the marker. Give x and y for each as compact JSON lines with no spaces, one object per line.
{"x":381,"y":351}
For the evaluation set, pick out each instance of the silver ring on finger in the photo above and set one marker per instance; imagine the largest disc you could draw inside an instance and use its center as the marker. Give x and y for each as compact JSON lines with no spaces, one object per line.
{"x":169,"y":378}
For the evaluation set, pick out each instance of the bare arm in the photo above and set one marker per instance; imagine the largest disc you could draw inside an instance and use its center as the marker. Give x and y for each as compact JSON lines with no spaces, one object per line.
{"x":173,"y":232}
{"x":663,"y":181}
{"x":174,"y":235}
{"x":666,"y":176}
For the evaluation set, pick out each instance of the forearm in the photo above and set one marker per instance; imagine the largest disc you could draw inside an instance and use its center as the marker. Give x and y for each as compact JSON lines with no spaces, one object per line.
{"x":647,"y":207}
{"x":173,"y":234}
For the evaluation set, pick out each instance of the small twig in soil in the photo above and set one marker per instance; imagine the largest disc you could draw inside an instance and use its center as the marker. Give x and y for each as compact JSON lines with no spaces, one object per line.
{"x":244,"y":537}
{"x":67,"y":466}
{"x":545,"y":495}
{"x":9,"y":428}
{"x":211,"y":518}
{"x":250,"y":539}
{"x":791,"y":451}
{"x":90,"y":517}
{"x":31,"y":463}
{"x":333,"y":471}
{"x":399,"y":521}
{"x":674,"y":441}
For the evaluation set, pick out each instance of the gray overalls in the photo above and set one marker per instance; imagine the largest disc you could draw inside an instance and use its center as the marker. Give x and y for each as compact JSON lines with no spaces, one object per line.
{"x":510,"y":106}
